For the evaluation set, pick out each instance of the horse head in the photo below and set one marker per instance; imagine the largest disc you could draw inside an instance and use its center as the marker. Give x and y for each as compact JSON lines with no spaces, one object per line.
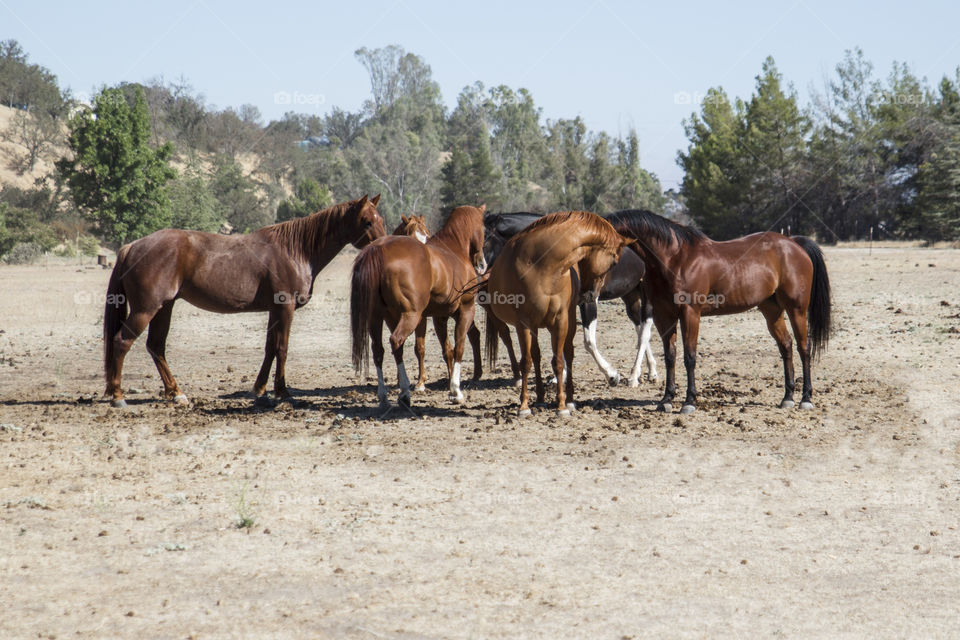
{"x":413,"y":226}
{"x":365,"y":222}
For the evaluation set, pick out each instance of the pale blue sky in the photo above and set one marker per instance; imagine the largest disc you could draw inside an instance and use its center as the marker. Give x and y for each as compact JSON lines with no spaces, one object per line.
{"x":617,"y":64}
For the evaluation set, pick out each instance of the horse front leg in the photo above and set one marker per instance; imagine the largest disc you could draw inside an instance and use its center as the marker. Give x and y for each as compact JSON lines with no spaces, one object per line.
{"x":282,"y":336}
{"x":641,"y":314}
{"x":588,"y":317}
{"x":690,"y":330}
{"x":523,"y":337}
{"x":420,"y":348}
{"x":667,"y":328}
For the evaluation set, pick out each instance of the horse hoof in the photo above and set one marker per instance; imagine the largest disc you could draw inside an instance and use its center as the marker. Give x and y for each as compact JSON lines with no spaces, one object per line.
{"x":404,"y":400}
{"x":571,"y":406}
{"x":181,"y":398}
{"x":787,"y":404}
{"x":687,"y":408}
{"x":614,"y":380}
{"x":420,"y":387}
{"x":517,"y":382}
{"x":633,"y":383}
{"x":666,"y":407}
{"x":524,"y":413}
{"x":806,"y":405}
{"x":653,"y":378}
{"x":457,"y":398}
{"x":563,"y":413}
{"x":118,"y":403}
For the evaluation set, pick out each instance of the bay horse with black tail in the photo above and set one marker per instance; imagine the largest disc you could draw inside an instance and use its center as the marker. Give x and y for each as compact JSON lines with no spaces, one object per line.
{"x":536,"y":282}
{"x":271,"y":269}
{"x":625,"y":281}
{"x":400,"y":280}
{"x":689,"y":276}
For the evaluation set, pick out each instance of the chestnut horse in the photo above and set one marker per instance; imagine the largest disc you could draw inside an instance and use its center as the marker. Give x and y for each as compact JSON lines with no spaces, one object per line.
{"x":401,"y":281}
{"x":625,"y":281}
{"x":416,"y":227}
{"x":536,"y":282}
{"x":690,"y":275}
{"x":271,"y":269}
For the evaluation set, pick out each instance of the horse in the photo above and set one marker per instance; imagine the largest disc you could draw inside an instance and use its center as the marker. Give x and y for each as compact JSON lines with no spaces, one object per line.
{"x":416,"y":226}
{"x":625,"y":281}
{"x":401,"y":281}
{"x":271,"y":269}
{"x":689,"y":276}
{"x":536,"y":282}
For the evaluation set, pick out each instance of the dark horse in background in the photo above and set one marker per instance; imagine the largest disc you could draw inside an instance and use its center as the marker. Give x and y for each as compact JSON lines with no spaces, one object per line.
{"x":689,"y":276}
{"x":271,"y":269}
{"x":625,"y":281}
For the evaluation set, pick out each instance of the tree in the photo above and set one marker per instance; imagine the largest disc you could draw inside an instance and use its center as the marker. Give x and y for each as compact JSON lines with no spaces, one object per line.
{"x":115,"y":177}
{"x":309,"y":197}
{"x":36,"y":132}
{"x":236,"y":196}
{"x":192,"y":203}
{"x":938,"y":181}
{"x":468,"y":175}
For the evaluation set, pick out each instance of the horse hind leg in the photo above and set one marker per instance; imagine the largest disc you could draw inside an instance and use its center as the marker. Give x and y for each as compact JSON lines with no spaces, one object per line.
{"x":642,"y":317}
{"x":473,"y":335}
{"x":798,"y":320}
{"x":420,"y":349}
{"x":123,"y":340}
{"x":375,"y":329}
{"x":588,"y":317}
{"x":407,"y":325}
{"x":157,"y":346}
{"x":777,"y":326}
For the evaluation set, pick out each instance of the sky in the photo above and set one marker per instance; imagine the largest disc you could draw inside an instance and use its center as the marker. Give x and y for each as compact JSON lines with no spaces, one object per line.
{"x":618,"y":65}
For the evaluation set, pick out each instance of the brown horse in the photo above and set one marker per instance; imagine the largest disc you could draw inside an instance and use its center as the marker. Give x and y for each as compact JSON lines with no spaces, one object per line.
{"x":537,"y":281}
{"x":690,"y":275}
{"x":272,"y":269}
{"x":416,"y":227}
{"x":402,"y":281}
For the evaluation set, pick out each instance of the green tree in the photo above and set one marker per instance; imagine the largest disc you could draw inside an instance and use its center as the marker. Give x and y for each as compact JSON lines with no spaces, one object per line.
{"x":468,"y":175}
{"x":115,"y":177}
{"x":308,"y":197}
{"x":192,"y":203}
{"x":237,"y":198}
{"x":937,"y":214}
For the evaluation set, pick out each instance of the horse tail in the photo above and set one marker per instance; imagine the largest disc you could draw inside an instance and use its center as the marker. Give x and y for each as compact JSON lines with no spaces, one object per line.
{"x":491,"y":336}
{"x":364,"y":289}
{"x":819,"y":312}
{"x":114,"y":309}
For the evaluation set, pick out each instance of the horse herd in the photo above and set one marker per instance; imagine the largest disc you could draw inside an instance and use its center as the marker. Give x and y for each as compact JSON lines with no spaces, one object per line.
{"x":527,"y":271}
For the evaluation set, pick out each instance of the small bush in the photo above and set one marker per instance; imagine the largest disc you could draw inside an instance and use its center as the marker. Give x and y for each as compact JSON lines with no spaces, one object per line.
{"x":89,"y":246}
{"x":24,"y":253}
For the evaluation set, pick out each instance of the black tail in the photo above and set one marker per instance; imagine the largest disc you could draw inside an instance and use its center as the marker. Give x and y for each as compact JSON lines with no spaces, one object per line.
{"x":114,"y":310}
{"x":818,"y":315}
{"x":364,"y":290}
{"x":492,"y":338}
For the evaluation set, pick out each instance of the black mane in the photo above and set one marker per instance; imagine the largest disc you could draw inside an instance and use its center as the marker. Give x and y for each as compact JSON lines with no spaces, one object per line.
{"x":641,"y":223}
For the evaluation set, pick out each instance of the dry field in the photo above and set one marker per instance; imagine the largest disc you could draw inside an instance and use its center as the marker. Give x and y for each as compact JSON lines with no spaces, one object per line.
{"x":463,"y":522}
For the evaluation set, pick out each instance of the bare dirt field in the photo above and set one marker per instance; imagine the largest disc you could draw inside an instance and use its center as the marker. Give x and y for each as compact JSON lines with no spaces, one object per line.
{"x":741,"y":519}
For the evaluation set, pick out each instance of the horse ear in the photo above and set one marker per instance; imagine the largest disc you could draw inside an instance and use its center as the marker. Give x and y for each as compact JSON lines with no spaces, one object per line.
{"x":362,"y":201}
{"x":376,"y":199}
{"x":483,"y":208}
{"x":404,"y":219}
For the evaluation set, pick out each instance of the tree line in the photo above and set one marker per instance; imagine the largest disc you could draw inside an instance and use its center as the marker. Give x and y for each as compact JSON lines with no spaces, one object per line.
{"x":865,"y":153}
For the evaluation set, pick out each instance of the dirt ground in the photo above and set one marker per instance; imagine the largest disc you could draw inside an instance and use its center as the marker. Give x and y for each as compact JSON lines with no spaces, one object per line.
{"x":741,"y":519}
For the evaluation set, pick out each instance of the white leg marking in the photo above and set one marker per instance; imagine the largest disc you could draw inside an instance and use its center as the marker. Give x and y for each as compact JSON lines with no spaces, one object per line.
{"x":645,"y":342}
{"x":455,"y":393}
{"x":590,"y":342}
{"x":404,"y":382}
